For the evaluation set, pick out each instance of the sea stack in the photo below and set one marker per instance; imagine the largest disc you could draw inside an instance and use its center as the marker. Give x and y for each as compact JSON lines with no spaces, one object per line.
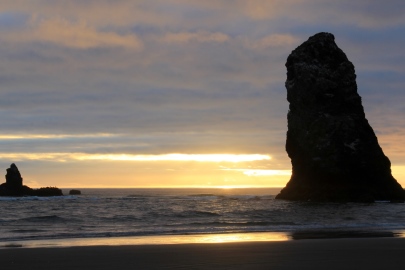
{"x":13,"y":178}
{"x":334,"y":152}
{"x":14,"y":186}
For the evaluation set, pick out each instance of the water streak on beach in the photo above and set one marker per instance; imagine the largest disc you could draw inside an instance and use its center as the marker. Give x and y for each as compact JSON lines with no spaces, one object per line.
{"x":154,"y":212}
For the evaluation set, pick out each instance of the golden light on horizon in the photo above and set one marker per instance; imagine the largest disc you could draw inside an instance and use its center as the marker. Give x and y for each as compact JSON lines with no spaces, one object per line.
{"x":179,"y":157}
{"x":62,"y":157}
{"x":226,"y":171}
{"x":266,"y":172}
{"x":82,"y":170}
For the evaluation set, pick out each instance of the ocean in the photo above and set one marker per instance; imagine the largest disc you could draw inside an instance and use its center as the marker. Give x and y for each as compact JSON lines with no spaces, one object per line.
{"x":124,"y":213}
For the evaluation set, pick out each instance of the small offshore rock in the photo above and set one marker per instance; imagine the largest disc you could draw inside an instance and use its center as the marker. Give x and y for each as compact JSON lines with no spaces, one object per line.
{"x":75,"y":192}
{"x":47,"y":192}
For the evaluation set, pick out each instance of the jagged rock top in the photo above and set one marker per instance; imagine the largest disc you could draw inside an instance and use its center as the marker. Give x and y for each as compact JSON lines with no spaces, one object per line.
{"x":321,"y":69}
{"x":13,"y":177}
{"x":319,"y":50}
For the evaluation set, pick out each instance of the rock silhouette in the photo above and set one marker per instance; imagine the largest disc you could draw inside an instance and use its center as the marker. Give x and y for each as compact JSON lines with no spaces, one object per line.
{"x":75,"y":192}
{"x":14,"y":186}
{"x":13,"y":177}
{"x":334,"y":152}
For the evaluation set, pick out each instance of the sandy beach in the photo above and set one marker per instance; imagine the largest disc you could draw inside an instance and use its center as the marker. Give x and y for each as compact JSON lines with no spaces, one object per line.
{"x":353,"y":253}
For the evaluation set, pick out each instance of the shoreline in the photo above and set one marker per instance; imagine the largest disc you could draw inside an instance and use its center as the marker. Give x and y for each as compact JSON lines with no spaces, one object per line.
{"x":221,"y":238}
{"x":149,"y":240}
{"x":343,"y":253}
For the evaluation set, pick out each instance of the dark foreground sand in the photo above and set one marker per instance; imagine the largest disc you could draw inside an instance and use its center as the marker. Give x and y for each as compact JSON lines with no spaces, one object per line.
{"x":356,"y":253}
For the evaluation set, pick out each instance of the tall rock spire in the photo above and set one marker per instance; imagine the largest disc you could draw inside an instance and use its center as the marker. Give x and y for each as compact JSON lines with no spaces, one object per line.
{"x":13,"y":177}
{"x":334,"y":152}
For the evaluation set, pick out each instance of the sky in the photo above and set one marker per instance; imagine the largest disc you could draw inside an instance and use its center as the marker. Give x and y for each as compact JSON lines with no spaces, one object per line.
{"x":179,"y":93}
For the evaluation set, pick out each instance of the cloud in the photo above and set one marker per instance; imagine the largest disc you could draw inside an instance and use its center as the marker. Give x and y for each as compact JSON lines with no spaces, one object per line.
{"x":271,"y":41}
{"x":52,"y":136}
{"x":74,"y":35}
{"x":373,"y":14}
{"x":100,"y":13}
{"x":261,"y":172}
{"x":179,"y":76}
{"x":363,"y":13}
{"x":265,"y":10}
{"x":201,"y":36}
{"x":173,"y":13}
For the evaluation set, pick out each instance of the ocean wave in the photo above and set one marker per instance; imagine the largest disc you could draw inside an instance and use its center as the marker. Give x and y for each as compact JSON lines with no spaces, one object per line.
{"x":27,"y":231}
{"x":161,"y":212}
{"x":208,"y":196}
{"x":36,"y":198}
{"x":244,"y":224}
{"x":245,"y":197}
{"x":121,"y":218}
{"x":200,"y":197}
{"x":203,"y":195}
{"x":142,"y":196}
{"x":196,"y":213}
{"x":50,"y":218}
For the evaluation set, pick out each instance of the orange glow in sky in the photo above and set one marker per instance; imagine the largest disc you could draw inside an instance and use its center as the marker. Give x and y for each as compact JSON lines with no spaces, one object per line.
{"x":178,"y":93}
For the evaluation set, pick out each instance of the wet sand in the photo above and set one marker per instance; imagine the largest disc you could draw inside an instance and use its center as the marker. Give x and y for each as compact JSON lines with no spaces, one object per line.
{"x":354,"y":253}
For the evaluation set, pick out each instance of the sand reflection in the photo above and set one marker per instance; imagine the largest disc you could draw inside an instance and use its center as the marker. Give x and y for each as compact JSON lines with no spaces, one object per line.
{"x":152,"y":240}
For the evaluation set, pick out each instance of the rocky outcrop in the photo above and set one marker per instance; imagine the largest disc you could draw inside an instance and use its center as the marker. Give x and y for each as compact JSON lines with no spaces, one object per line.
{"x":75,"y":192}
{"x":14,"y":186}
{"x":13,"y":177}
{"x":14,"y":183}
{"x":46,"y":192}
{"x":334,"y":152}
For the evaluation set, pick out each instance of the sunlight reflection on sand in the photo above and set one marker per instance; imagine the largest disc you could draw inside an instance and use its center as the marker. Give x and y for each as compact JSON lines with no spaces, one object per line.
{"x":152,"y":240}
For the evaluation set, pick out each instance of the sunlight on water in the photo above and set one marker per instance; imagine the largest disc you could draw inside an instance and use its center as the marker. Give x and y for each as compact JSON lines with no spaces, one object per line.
{"x":241,"y":237}
{"x":179,"y":216}
{"x":152,"y":240}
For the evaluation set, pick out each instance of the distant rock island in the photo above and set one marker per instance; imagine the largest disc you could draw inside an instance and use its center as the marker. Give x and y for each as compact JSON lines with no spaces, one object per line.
{"x":14,"y":186}
{"x":75,"y":192}
{"x":334,"y":152}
